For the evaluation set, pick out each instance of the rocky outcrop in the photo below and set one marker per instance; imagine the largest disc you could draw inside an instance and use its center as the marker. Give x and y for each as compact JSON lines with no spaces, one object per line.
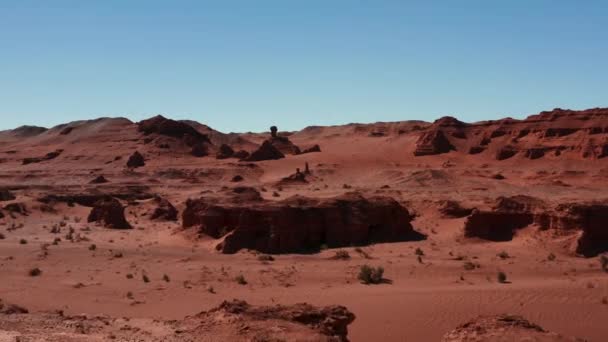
{"x":48,"y":156}
{"x":503,"y":328}
{"x":110,"y":213}
{"x":182,"y":131}
{"x":136,"y":160}
{"x":312,"y":149}
{"x":495,"y":225}
{"x":299,"y":224}
{"x":453,"y":209}
{"x":433,"y":142}
{"x":233,"y":320}
{"x":330,"y":321}
{"x":590,"y":218}
{"x":266,"y":152}
{"x":164,"y":210}
{"x":557,"y":133}
{"x":6,"y":195}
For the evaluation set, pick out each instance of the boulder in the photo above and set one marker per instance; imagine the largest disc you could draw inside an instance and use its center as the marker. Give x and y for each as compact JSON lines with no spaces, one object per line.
{"x":225,"y":152}
{"x":200,"y":150}
{"x":164,"y":210}
{"x":136,"y":160}
{"x":110,"y":213}
{"x":299,"y":224}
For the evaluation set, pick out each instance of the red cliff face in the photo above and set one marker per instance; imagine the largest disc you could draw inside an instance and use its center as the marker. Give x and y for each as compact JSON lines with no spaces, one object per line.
{"x":590,"y":218}
{"x":578,"y":134}
{"x":300,"y":224}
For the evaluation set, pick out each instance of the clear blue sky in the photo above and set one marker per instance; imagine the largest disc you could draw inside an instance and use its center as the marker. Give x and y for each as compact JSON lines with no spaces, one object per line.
{"x":244,"y":65}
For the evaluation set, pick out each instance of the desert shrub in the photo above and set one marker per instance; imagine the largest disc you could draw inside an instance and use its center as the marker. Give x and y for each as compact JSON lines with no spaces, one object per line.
{"x":469,"y":266}
{"x":23,"y":241}
{"x":2,"y":237}
{"x":341,"y":255}
{"x":363,"y":253}
{"x":166,"y":278}
{"x":371,"y":275}
{"x":419,"y":252}
{"x":92,"y":247}
{"x":265,"y":257}
{"x":34,"y":272}
{"x":145,"y":278}
{"x":501,"y":277}
{"x":503,"y":255}
{"x":604,"y":262}
{"x":240,"y":279}
{"x":551,"y":257}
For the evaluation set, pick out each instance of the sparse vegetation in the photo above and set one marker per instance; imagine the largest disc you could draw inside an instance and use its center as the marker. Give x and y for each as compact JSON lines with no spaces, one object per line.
{"x":265,"y":257}
{"x":35,"y":272}
{"x":341,"y":255}
{"x":240,"y":279}
{"x":129,"y":276}
{"x":2,"y":237}
{"x":503,"y":255}
{"x":604,"y":262}
{"x":501,"y":277}
{"x":551,"y":257}
{"x":23,"y":241}
{"x":371,"y":275}
{"x":419,"y":252}
{"x":166,"y":278}
{"x":145,"y":278}
{"x":363,"y":253}
{"x":92,"y":247}
{"x":469,"y":266}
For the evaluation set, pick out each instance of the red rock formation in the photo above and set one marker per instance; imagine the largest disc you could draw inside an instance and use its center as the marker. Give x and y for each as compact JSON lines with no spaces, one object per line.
{"x":179,"y":130}
{"x":266,"y":152}
{"x":110,"y":213}
{"x":590,"y":218}
{"x":433,"y":142}
{"x":581,"y":133}
{"x":299,"y":224}
{"x":331,"y":320}
{"x":164,"y":211}
{"x":495,"y":225}
{"x":48,"y":156}
{"x":136,"y":160}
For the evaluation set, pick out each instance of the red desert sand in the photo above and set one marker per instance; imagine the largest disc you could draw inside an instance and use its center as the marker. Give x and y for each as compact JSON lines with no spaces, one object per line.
{"x":168,"y":230}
